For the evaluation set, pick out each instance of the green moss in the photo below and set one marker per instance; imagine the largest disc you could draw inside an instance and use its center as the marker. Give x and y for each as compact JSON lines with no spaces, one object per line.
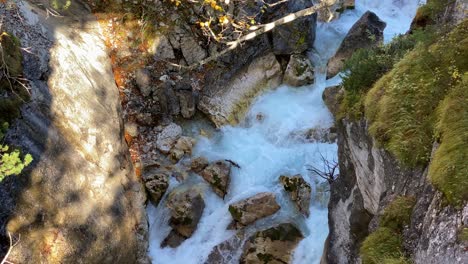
{"x":448,"y":170}
{"x":398,"y":213}
{"x":382,"y":246}
{"x":235,"y":213}
{"x":432,"y":10}
{"x":265,"y":258}
{"x":401,"y":106}
{"x":463,"y":234}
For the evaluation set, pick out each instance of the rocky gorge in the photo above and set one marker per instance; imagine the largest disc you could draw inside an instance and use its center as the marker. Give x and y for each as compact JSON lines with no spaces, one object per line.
{"x":139,"y":161}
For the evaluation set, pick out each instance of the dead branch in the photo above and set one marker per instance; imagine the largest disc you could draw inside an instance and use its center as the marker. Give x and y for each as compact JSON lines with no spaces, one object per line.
{"x":329,"y":169}
{"x":5,"y":259}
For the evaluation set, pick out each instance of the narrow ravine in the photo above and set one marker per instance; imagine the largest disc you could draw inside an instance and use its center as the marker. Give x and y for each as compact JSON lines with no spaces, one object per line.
{"x":266,"y":145}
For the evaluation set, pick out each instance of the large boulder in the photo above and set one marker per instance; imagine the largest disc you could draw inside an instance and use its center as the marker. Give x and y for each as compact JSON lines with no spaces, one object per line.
{"x":217,"y":175}
{"x":198,"y":164}
{"x":299,"y":191}
{"x":367,"y":32}
{"x":183,"y":146}
{"x":249,"y":210}
{"x":81,"y":200}
{"x":294,"y":37}
{"x":168,"y":137}
{"x":299,"y":71}
{"x":227,"y":103}
{"x":274,"y":245}
{"x":186,"y":208}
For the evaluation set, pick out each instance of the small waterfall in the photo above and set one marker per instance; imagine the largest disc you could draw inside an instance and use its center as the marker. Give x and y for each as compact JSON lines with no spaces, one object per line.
{"x":266,"y":149}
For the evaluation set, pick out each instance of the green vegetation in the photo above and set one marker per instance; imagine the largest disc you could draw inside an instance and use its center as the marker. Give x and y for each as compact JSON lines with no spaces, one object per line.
{"x":366,"y":66}
{"x":463,"y":234}
{"x":398,"y":213}
{"x":384,"y":245}
{"x":448,"y":170}
{"x":11,"y":162}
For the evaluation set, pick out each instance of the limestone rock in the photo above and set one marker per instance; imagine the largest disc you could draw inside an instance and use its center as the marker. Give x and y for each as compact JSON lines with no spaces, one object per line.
{"x":183,"y":146}
{"x":332,"y":98}
{"x":156,"y":183}
{"x":198,"y":164}
{"x":253,"y":208}
{"x":143,"y":81}
{"x":274,"y":245}
{"x":186,"y":207}
{"x":191,"y":50}
{"x":299,"y":191}
{"x":299,"y":71}
{"x":336,"y":8}
{"x":225,"y":252}
{"x":217,"y":175}
{"x":294,"y":37}
{"x":187,"y":103}
{"x":161,"y":48}
{"x":173,"y":240}
{"x":168,"y":137}
{"x":365,"y":33}
{"x":227,"y":104}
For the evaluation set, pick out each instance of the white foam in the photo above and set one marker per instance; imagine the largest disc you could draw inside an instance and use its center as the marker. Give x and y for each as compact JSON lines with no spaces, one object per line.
{"x":265,"y":149}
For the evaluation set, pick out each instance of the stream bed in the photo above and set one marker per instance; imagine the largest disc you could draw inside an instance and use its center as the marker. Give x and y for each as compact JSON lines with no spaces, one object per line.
{"x":265,"y":147}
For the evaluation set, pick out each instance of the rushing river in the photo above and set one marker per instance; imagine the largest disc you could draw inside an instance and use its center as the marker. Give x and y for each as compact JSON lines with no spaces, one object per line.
{"x":265,"y":150}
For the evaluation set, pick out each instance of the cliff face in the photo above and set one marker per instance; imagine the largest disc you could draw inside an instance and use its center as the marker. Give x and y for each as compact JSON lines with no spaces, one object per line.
{"x":80,"y":201}
{"x":370,"y":178}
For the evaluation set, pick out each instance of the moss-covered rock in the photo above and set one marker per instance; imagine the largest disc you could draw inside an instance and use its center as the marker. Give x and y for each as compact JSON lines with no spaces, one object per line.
{"x":398,"y":213}
{"x":382,"y":246}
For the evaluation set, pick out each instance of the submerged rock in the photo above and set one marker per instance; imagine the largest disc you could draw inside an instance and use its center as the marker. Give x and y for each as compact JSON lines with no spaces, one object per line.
{"x":299,"y":191}
{"x":168,"y":137}
{"x":274,"y":245}
{"x":253,"y":208}
{"x":217,"y":175}
{"x":299,"y":71}
{"x":226,"y":251}
{"x":186,"y":207}
{"x":366,"y":32}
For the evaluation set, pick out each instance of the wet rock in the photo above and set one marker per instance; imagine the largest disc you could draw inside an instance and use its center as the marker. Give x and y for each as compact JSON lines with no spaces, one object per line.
{"x":299,"y":71}
{"x":226,"y":251}
{"x":299,"y":191}
{"x":322,"y":135}
{"x":217,"y":175}
{"x":198,"y":164}
{"x":173,"y":240}
{"x":187,"y":104}
{"x":226,"y":103}
{"x":332,"y":98}
{"x":253,"y":208}
{"x":191,"y":50}
{"x":168,"y":137}
{"x":336,"y":8}
{"x":186,"y":207}
{"x":274,"y":245}
{"x":183,"y":146}
{"x":143,"y":81}
{"x":293,"y":37}
{"x":156,"y":184}
{"x":367,"y":32}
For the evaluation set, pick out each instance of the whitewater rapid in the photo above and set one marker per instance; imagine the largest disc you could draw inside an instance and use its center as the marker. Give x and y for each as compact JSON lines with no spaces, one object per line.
{"x":265,"y":150}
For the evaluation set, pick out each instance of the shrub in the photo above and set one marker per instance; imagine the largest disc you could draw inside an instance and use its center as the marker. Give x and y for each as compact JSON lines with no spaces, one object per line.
{"x":382,"y":246}
{"x":366,"y":66}
{"x":398,"y":213}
